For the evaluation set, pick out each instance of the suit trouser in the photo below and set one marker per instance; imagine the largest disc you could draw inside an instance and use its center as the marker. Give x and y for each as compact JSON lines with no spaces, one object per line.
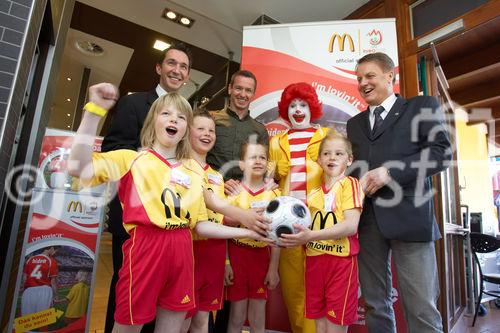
{"x":291,"y":269}
{"x":417,"y":278}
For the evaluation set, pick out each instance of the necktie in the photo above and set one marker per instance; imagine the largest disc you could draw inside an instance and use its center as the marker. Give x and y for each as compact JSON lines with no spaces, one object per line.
{"x":378,"y":118}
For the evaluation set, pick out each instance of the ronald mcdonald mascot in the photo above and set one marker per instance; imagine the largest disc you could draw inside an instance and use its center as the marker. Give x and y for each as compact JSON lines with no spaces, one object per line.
{"x":293,"y":156}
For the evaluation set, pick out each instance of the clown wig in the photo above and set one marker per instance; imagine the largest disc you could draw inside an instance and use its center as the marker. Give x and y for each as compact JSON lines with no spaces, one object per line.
{"x":303,"y":91}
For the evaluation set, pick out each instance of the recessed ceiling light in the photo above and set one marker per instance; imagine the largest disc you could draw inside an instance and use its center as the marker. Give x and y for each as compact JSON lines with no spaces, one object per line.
{"x":69,"y":114}
{"x":160,"y":45}
{"x":170,"y":14}
{"x":68,"y":78}
{"x":68,"y":126}
{"x":184,"y":83}
{"x":177,"y":18}
{"x":68,"y":99}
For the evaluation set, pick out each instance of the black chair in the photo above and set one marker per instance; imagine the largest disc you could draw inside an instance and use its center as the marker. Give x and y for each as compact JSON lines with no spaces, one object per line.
{"x":481,"y":243}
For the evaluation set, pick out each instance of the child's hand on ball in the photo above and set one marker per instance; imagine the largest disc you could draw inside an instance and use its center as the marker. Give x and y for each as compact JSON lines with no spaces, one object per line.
{"x":302,"y":236}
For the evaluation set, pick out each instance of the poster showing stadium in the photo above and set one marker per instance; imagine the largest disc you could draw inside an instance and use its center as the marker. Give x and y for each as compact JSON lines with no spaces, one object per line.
{"x":56,"y":271}
{"x":323,"y":54}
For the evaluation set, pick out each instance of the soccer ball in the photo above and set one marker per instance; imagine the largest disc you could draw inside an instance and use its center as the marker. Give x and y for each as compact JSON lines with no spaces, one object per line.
{"x":284,"y":212}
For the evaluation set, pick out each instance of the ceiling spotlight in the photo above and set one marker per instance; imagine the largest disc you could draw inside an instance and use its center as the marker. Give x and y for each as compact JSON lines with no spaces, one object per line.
{"x":69,"y":114}
{"x":68,"y":126}
{"x":68,"y":78}
{"x":177,"y":18}
{"x":68,"y":99}
{"x":160,"y":45}
{"x":171,"y":15}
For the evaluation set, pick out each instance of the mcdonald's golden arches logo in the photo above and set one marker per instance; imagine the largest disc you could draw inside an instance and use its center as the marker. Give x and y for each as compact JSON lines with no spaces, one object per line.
{"x":75,"y":205}
{"x":341,"y":42}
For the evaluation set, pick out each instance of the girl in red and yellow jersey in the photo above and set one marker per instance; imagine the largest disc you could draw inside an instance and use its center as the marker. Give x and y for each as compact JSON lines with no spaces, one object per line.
{"x":209,"y":254}
{"x":331,"y":276}
{"x":161,"y":191}
{"x":252,"y":267}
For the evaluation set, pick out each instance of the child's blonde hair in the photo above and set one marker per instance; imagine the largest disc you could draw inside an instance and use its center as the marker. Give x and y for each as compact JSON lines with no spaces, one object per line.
{"x":176,"y":101}
{"x":334,"y":135}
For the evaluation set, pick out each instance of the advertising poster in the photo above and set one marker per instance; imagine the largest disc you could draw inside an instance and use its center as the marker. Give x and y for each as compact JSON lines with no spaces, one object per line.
{"x":323,"y":54}
{"x":56,"y":272}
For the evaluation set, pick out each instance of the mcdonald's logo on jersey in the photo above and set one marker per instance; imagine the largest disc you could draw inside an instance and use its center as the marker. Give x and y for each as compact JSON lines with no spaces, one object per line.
{"x":341,"y":42}
{"x":322,"y":219}
{"x":74,"y":206}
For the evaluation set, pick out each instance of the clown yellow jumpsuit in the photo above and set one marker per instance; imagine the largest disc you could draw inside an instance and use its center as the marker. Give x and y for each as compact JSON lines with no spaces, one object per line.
{"x":291,"y":266}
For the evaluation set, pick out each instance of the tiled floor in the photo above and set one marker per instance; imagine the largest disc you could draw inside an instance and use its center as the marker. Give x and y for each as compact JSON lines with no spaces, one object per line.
{"x":487,"y":324}
{"x":101,"y":288}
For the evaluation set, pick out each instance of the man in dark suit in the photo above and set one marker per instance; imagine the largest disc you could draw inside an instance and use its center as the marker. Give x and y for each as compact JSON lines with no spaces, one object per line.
{"x":398,"y":145}
{"x":173,"y":68}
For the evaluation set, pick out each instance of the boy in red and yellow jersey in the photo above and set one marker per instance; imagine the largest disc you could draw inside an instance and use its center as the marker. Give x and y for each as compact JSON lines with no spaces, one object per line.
{"x":331,"y":276}
{"x":252,"y":267}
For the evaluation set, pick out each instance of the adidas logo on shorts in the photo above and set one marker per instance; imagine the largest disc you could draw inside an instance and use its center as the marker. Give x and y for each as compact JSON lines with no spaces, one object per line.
{"x":215,"y":301}
{"x":331,"y":313}
{"x":260,"y":291}
{"x":185,"y":300}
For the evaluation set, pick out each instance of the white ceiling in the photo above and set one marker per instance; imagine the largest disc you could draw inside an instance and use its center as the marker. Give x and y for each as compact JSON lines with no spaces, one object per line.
{"x":217,"y":28}
{"x":108,"y":67}
{"x":219,"y":24}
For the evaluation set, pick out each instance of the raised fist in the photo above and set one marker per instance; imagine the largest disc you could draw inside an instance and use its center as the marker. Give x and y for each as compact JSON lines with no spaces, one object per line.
{"x":103,"y":94}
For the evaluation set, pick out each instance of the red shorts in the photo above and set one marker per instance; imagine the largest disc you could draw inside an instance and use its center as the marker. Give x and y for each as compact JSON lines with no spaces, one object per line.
{"x":250,"y":265}
{"x":157,"y":270}
{"x":332,"y":288}
{"x":209,"y":261}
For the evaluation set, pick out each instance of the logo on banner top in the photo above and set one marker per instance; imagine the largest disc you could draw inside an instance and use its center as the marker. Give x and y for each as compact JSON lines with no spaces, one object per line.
{"x":89,"y":208}
{"x":75,"y":205}
{"x":341,"y":42}
{"x":375,"y":37}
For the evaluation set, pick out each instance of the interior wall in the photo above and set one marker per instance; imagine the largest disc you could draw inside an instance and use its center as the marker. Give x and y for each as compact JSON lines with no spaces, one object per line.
{"x":474,"y":171}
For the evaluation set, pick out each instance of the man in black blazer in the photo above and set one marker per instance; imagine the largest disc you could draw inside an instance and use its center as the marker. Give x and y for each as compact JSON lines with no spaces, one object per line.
{"x":173,"y":68}
{"x":398,"y":145}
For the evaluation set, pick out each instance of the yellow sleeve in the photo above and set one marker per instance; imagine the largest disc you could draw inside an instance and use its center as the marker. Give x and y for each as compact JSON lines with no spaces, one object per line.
{"x":202,"y":213}
{"x":199,"y":182}
{"x":111,"y":166}
{"x":352,"y":194}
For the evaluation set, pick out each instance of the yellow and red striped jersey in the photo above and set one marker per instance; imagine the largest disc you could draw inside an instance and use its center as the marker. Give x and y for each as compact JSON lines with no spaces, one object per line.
{"x":247,"y":199}
{"x":153,"y":191}
{"x":327,"y":208}
{"x":213,"y":182}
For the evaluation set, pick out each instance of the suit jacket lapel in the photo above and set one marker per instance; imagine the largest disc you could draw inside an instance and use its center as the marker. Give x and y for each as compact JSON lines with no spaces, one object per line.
{"x":364,"y":123}
{"x":392,"y":117}
{"x":152,"y":96}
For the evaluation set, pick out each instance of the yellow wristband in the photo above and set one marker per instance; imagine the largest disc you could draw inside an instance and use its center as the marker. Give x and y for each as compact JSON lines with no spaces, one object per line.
{"x":228,"y":262}
{"x":95,"y":109}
